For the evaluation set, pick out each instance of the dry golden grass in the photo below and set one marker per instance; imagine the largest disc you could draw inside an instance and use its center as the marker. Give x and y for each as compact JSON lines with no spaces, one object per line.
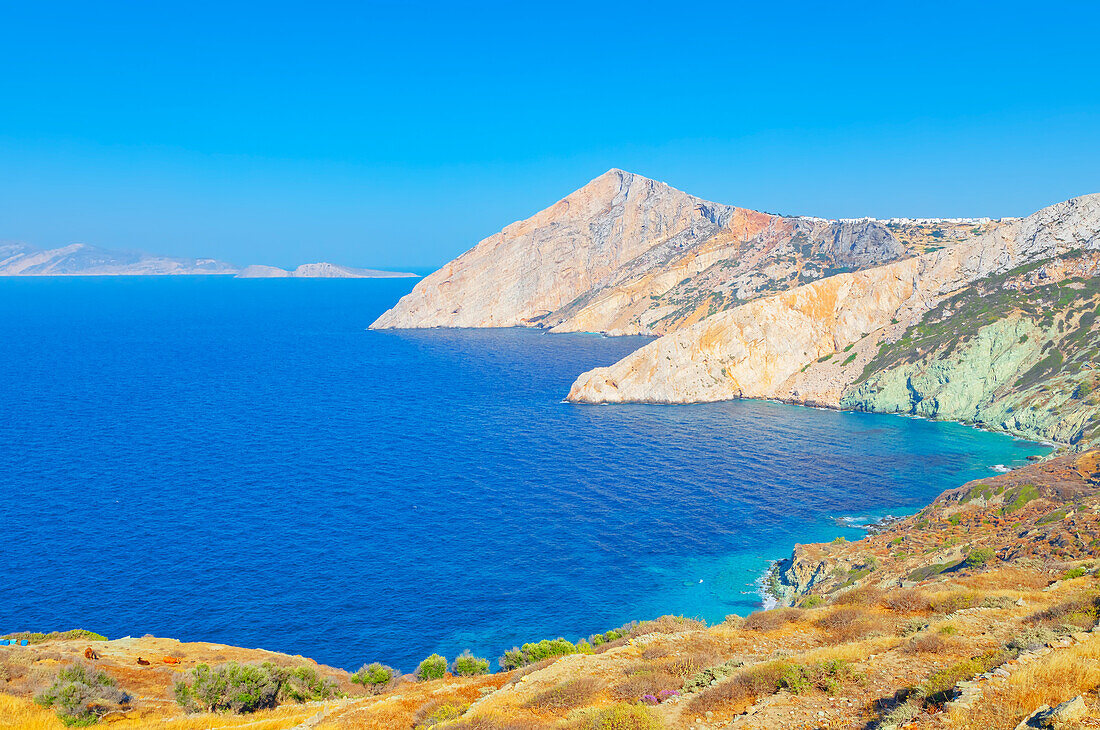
{"x":20,"y":713}
{"x":16,"y":712}
{"x":776,"y":618}
{"x":1055,"y":678}
{"x":567,"y":695}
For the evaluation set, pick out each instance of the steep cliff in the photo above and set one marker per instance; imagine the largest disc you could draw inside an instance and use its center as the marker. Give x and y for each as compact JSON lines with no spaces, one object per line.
{"x":627,"y":255}
{"x":813,"y":343}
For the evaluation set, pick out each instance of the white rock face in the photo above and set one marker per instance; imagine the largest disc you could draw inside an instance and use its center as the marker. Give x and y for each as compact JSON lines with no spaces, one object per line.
{"x":625,"y":254}
{"x":760,"y":348}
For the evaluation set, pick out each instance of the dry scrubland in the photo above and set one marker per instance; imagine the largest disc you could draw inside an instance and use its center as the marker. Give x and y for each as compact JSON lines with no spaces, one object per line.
{"x":974,"y":613}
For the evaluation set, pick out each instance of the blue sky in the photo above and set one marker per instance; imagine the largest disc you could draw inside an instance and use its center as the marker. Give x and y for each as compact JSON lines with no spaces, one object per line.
{"x":399,"y":134}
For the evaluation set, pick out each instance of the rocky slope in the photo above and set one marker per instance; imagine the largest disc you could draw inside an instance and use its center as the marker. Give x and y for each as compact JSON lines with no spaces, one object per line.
{"x":980,"y":612}
{"x":816,"y":343}
{"x":628,"y":255}
{"x":80,"y":259}
{"x":322,"y":270}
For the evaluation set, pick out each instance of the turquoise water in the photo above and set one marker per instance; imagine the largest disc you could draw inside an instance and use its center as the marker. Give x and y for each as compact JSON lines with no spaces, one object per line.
{"x":241,"y":461}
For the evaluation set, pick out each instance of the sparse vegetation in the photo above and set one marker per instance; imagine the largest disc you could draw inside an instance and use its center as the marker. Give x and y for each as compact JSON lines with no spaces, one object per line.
{"x":82,"y":695}
{"x":375,"y":676}
{"x":241,"y":688}
{"x":434,"y":667}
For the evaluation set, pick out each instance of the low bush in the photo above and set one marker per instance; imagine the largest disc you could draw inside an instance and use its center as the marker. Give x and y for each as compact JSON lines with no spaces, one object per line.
{"x":711,"y":675}
{"x":545,"y":649}
{"x":81,"y":695}
{"x":375,"y":677}
{"x":997,"y":602}
{"x":850,"y":623}
{"x":929,"y":643}
{"x":567,"y":695}
{"x":434,"y":667}
{"x":1074,"y":573}
{"x":906,"y":600}
{"x":623,"y":716}
{"x":1072,"y":615}
{"x":863,"y":596}
{"x":439,"y":712}
{"x":748,"y":685}
{"x":468,"y":665}
{"x":772,"y":620}
{"x":979,"y":557}
{"x":1031,"y":639}
{"x":495,"y":721}
{"x":645,"y":682}
{"x":954,"y":601}
{"x":242,"y":688}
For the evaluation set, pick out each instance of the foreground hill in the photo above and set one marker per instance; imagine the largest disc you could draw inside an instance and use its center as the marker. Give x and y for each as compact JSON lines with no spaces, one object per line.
{"x":980,"y":612}
{"x":628,"y":255}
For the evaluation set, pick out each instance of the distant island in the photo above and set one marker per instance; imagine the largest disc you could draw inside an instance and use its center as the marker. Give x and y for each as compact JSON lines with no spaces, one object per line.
{"x":81,"y":259}
{"x":322,"y":270}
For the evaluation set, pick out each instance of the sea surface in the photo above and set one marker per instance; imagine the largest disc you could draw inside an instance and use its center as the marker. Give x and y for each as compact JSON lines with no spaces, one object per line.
{"x":242,"y":461}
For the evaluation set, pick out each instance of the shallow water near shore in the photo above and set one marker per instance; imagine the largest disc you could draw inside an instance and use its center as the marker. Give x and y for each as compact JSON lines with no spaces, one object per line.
{"x":241,"y":461}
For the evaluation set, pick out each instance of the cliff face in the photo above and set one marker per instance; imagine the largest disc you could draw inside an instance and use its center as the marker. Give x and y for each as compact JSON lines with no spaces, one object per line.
{"x":813,"y":343}
{"x":628,"y":255}
{"x":1015,"y":352}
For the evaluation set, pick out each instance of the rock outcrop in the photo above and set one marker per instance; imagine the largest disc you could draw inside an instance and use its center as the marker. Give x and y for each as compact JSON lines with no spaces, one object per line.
{"x":628,"y":255}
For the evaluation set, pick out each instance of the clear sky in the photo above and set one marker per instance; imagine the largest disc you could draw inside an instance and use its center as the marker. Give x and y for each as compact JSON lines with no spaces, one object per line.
{"x":399,"y":134}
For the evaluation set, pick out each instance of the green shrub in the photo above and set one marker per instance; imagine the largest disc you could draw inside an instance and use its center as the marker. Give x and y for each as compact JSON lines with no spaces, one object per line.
{"x":241,"y":688}
{"x":434,"y":667}
{"x":979,"y":557}
{"x":467,"y":665}
{"x":81,"y":695}
{"x":374,"y":676}
{"x":1075,"y":573}
{"x":545,"y":649}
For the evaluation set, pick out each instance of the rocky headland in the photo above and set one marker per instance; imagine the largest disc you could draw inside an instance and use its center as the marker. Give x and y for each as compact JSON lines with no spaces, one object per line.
{"x":990,"y":322}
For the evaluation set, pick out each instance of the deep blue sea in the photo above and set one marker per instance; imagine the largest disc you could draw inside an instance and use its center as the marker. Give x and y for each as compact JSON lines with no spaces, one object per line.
{"x":242,"y":461}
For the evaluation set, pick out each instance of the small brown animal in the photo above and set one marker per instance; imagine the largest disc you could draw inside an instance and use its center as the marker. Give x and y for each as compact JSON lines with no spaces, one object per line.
{"x":170,"y":660}
{"x":143,"y":662}
{"x":90,"y":653}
